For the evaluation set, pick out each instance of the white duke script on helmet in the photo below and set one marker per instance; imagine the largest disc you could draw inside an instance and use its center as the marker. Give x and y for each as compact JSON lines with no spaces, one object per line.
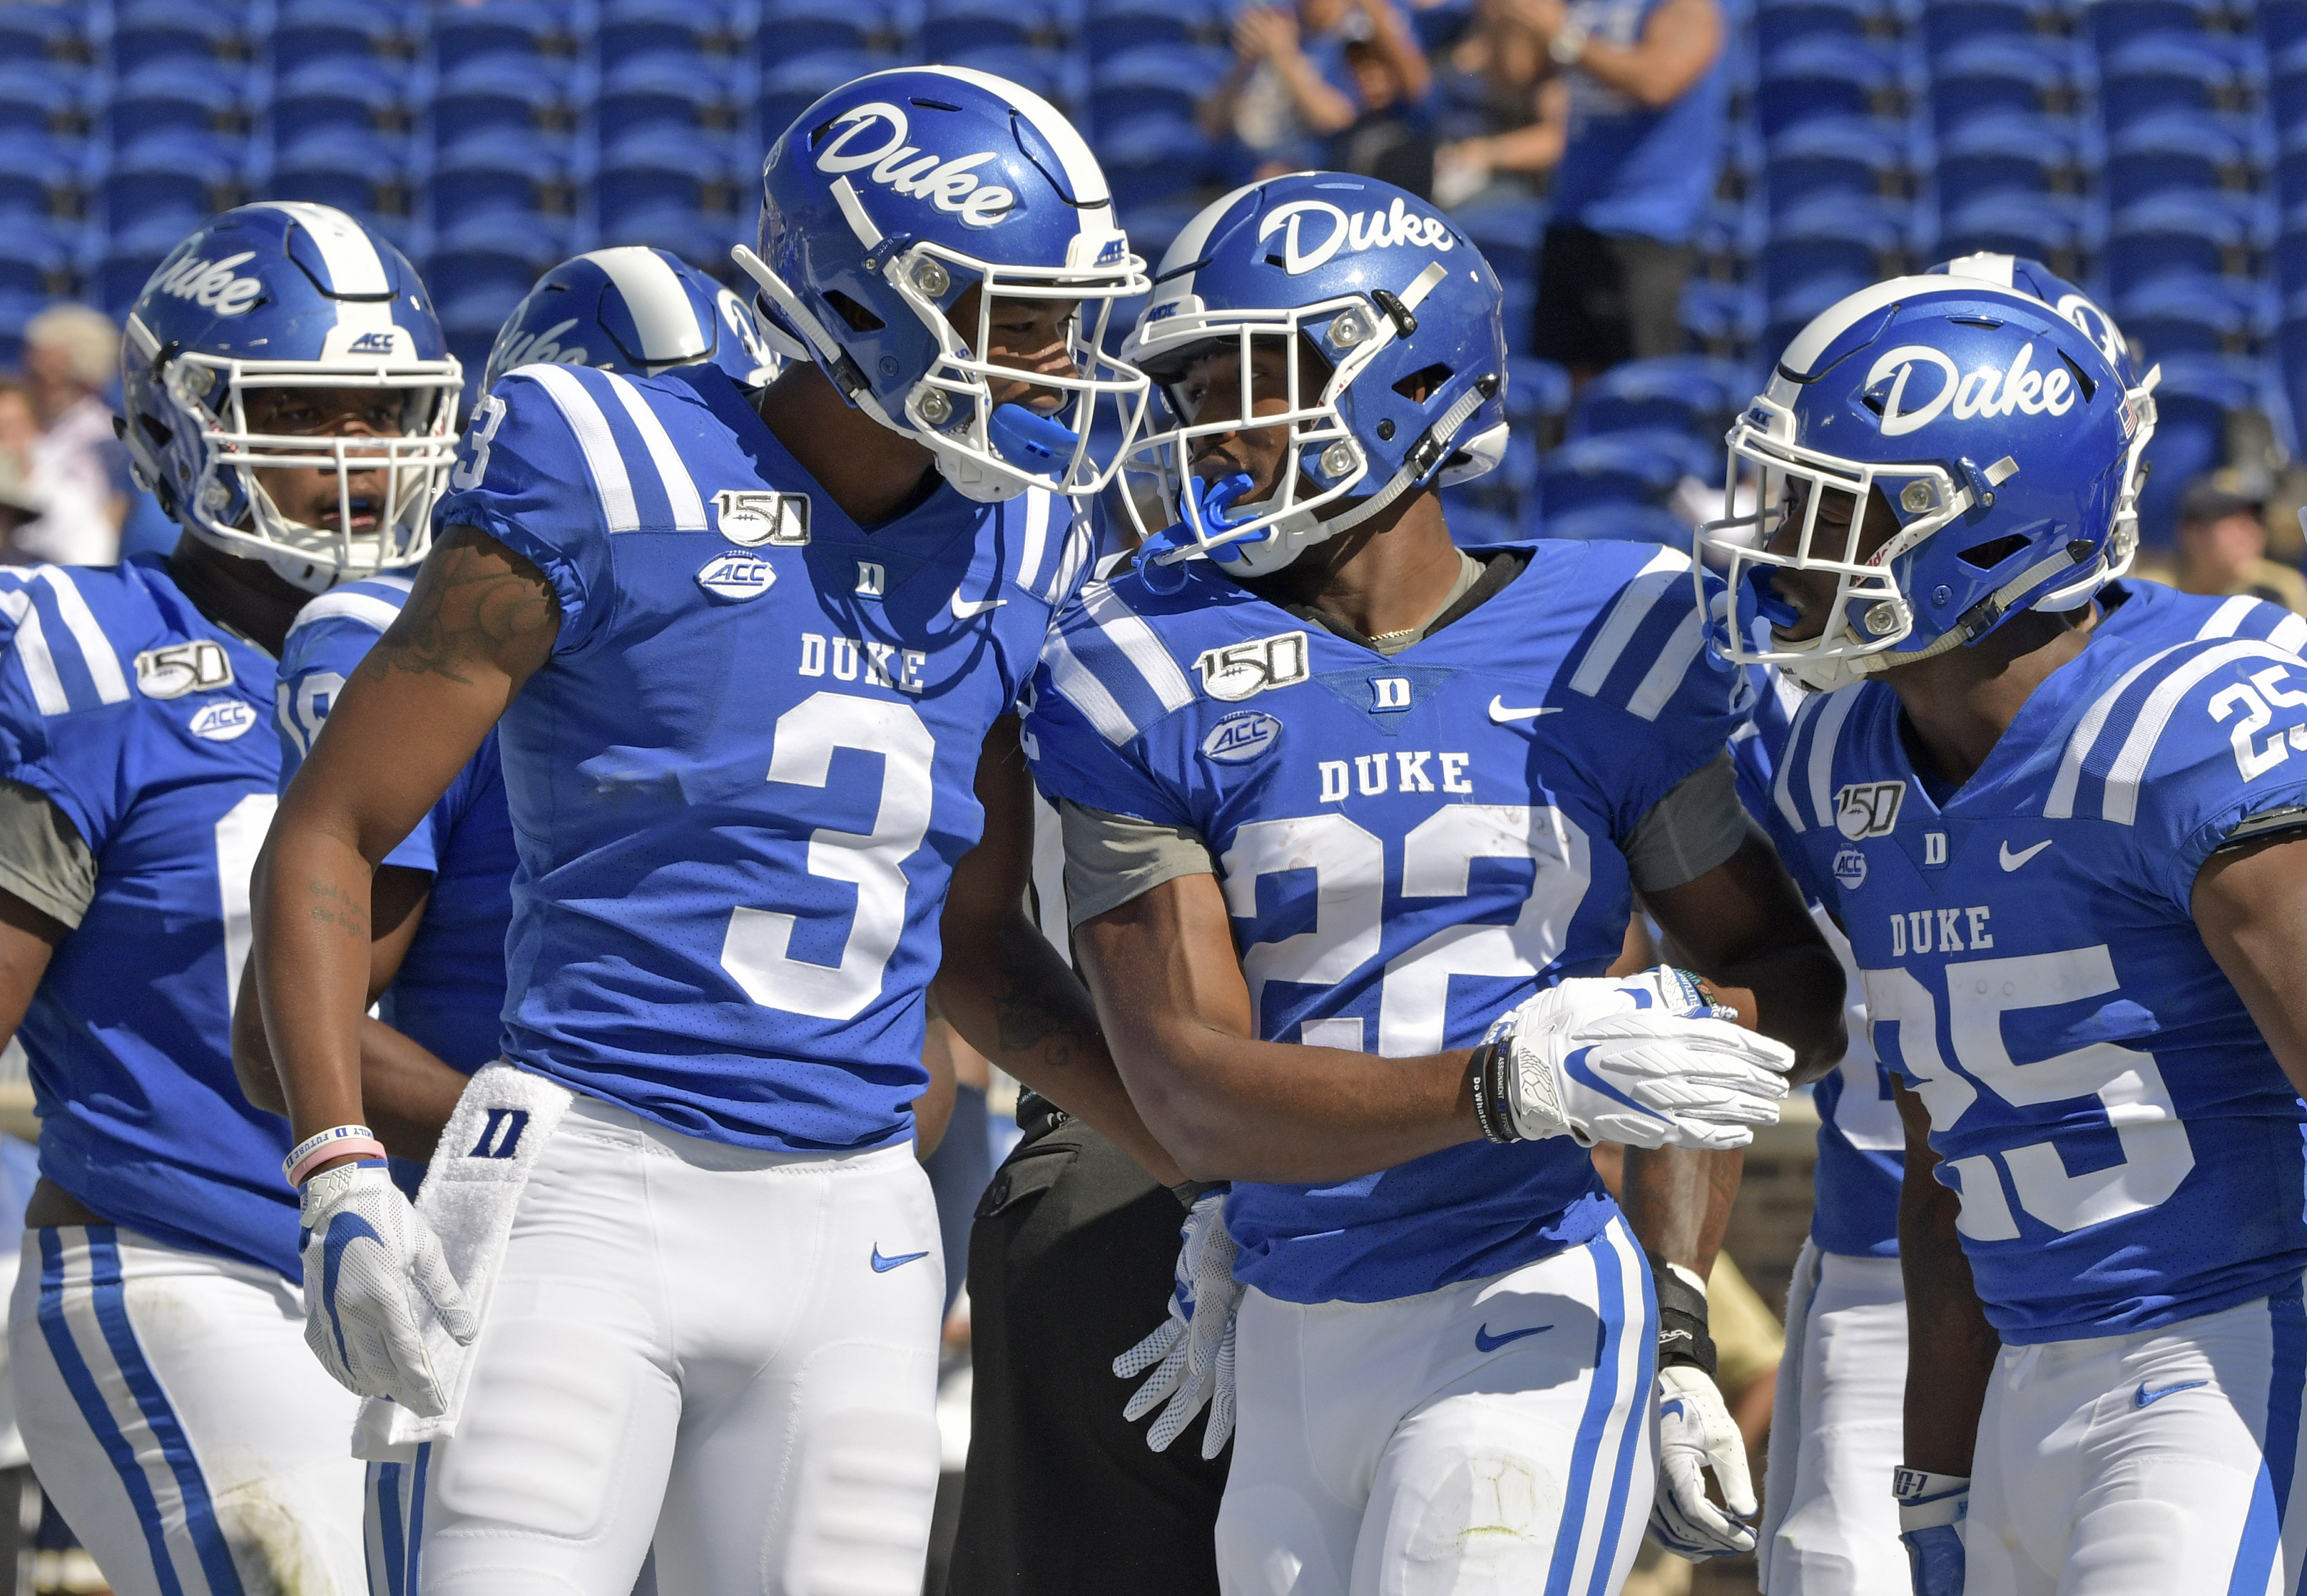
{"x":1360,"y":231}
{"x":1985,"y":391}
{"x":899,"y":165}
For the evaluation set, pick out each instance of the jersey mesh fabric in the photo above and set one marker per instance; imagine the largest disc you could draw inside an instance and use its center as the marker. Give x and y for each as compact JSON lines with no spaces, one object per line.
{"x":1408,"y":846}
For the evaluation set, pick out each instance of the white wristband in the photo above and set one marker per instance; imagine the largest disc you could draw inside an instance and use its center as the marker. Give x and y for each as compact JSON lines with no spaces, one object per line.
{"x":311,"y":1144}
{"x":1926,"y":1500}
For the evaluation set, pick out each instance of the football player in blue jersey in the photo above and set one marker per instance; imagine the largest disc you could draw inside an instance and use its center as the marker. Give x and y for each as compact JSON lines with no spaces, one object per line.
{"x":1828,"y":1528}
{"x":751,"y":659}
{"x":2064,"y":849}
{"x":291,"y":401}
{"x":1337,"y":798}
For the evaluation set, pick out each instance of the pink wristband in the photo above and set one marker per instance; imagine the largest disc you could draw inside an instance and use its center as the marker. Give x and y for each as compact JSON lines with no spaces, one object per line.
{"x":349,"y":1146}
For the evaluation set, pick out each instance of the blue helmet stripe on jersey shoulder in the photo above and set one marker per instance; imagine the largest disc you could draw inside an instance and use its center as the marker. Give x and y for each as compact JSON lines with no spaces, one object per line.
{"x":2088,"y":751}
{"x":73,"y":655}
{"x":1649,"y":594}
{"x":1109,"y":665}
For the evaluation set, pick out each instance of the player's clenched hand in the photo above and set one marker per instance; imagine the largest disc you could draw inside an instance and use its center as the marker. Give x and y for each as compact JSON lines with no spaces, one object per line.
{"x":1194,"y":1346}
{"x":1645,"y":1060}
{"x":1695,"y":1436}
{"x":371,"y":1267}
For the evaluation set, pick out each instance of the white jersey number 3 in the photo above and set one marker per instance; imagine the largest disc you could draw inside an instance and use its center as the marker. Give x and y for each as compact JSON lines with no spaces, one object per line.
{"x":756,"y":951}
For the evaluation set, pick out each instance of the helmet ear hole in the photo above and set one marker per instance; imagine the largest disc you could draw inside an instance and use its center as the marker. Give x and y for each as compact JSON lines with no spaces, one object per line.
{"x":1988,"y":555}
{"x":1420,"y":386}
{"x":859,"y":318}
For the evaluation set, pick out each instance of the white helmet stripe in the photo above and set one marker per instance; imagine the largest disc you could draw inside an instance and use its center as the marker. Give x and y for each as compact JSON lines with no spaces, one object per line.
{"x":1986,"y":267}
{"x":1188,"y":246}
{"x":660,"y":303}
{"x":1813,"y":340}
{"x":350,"y":261}
{"x":1083,"y":176}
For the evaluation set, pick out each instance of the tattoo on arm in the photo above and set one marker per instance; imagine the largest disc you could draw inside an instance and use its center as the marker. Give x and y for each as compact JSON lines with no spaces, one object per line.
{"x":472,"y":598}
{"x":1043,"y":1010}
{"x":332,"y":905}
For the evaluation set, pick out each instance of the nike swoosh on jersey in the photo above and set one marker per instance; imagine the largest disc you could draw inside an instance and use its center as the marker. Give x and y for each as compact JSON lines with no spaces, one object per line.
{"x":1486,"y":1342}
{"x":2146,"y":1396}
{"x":882,"y":1265}
{"x":968,"y":609}
{"x":2012,"y":861}
{"x":1500,"y":713}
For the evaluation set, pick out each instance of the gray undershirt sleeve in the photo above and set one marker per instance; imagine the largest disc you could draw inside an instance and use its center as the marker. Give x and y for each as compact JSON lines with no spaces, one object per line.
{"x":42,"y":859}
{"x":1111,"y":859}
{"x":1695,"y":827}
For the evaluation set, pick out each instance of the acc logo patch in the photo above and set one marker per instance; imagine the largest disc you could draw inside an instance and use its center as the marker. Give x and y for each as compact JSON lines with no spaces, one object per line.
{"x":221,"y":722}
{"x":1244,"y":670}
{"x":1851,"y":869}
{"x":733,"y":575}
{"x":751,"y":516}
{"x":1242,"y":736}
{"x":181,"y":668}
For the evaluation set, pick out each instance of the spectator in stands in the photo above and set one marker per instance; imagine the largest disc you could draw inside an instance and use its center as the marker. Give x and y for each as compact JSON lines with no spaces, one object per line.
{"x":2223,"y":550}
{"x":1392,"y":139}
{"x":19,"y":429}
{"x":1293,"y":89}
{"x":1648,"y":84}
{"x":1500,"y":80}
{"x":78,"y":469}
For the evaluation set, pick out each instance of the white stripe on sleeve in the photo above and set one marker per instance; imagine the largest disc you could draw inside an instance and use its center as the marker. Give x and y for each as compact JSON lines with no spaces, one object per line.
{"x":1085,"y":692}
{"x":2289,"y":633}
{"x":679,"y":487}
{"x":1838,"y":709}
{"x":1634,"y":605}
{"x":602,"y":460}
{"x":2121,"y":804}
{"x":1128,"y":632}
{"x":32,"y":645}
{"x":1782,"y":792}
{"x":1037,"y":533}
{"x":95,"y":648}
{"x":2226,"y":618}
{"x":1672,"y":663}
{"x":2061,"y":804}
{"x":364,"y":607}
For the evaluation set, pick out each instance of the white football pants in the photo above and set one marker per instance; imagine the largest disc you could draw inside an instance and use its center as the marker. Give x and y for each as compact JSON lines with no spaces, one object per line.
{"x":1495,"y":1436}
{"x":173,"y":1413}
{"x":734,"y":1353}
{"x":1830,"y":1523}
{"x":2148,"y":1464}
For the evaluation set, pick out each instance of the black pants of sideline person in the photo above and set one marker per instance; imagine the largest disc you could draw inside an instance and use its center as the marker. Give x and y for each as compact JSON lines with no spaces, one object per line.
{"x":1069,"y":1266}
{"x":1606,"y":299}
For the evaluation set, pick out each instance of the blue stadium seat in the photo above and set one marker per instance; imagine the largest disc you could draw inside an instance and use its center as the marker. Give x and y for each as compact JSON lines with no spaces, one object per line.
{"x":631,"y":27}
{"x":1782,"y":21}
{"x":471,"y":322}
{"x":2183,"y":230}
{"x":665,"y":88}
{"x":788,"y":90}
{"x":1113,"y":26}
{"x":1790,"y":312}
{"x":660,"y":166}
{"x":497,"y":169}
{"x":1510,"y":234}
{"x":42,"y":97}
{"x":1473,"y":527}
{"x":1834,"y":236}
{"x":793,"y":30}
{"x":39,"y":176}
{"x":2028,"y":154}
{"x":699,"y":238}
{"x":351,"y":168}
{"x":1614,"y":523}
{"x":2026,"y":73}
{"x":2291,"y":169}
{"x":1729,"y":238}
{"x":502,"y":90}
{"x":1152,"y":78}
{"x":1868,"y":155}
{"x":950,"y":28}
{"x":2290,"y":347}
{"x":179,"y":92}
{"x":462,"y":33}
{"x":365,"y":93}
{"x":170,"y":171}
{"x":2181,"y":149}
{"x":2290,"y":252}
{"x":1152,"y":160}
{"x":307,"y":30}
{"x":31,"y":30}
{"x":498,"y":250}
{"x":1950,"y":23}
{"x":1638,"y":468}
{"x":2175,"y":72}
{"x":2192,"y":402}
{"x":1722,"y":318}
{"x":2286,"y":86}
{"x":15,"y":311}
{"x":36,"y":257}
{"x":1690,"y":394}
{"x":2190,"y":313}
{"x":129,"y":256}
{"x":2114,"y":23}
{"x":148,"y":31}
{"x":1537,"y":396}
{"x":2282,"y":23}
{"x":1519,"y":310}
{"x":2050,"y":227}
{"x":1830,"y":75}
{"x":1152,"y":227}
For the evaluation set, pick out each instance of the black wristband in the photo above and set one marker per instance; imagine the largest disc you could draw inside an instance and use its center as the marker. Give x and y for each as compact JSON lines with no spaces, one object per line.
{"x":1683,"y":1336}
{"x":1488,"y":1084}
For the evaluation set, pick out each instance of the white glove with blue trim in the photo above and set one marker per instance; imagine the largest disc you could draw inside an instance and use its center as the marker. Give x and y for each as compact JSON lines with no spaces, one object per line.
{"x":372,"y":1269}
{"x":1194,"y":1346}
{"x":1695,"y":1435}
{"x":1645,"y":1060}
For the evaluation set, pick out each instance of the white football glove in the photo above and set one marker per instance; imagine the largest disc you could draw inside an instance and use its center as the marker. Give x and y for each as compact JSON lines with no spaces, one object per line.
{"x":372,"y":1267}
{"x":1194,"y":1346}
{"x":1695,"y":1434}
{"x":1645,"y":1060}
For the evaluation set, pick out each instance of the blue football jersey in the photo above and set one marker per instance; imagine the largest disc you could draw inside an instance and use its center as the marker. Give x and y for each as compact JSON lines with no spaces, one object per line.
{"x":740,"y":784}
{"x":133,"y":712}
{"x":1861,"y":1144}
{"x":449,"y":994}
{"x":1407,"y":845}
{"x":2128,"y":1152}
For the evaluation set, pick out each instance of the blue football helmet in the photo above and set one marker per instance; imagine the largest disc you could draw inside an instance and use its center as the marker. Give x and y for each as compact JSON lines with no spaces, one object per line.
{"x":1997,"y":433}
{"x":2032,"y":276}
{"x":1380,"y":286}
{"x":892,"y":197}
{"x":633,"y":309}
{"x":287,"y":294}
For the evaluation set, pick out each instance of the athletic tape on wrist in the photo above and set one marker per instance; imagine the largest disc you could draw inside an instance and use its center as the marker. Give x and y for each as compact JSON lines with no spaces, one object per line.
{"x":1683,"y":1333}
